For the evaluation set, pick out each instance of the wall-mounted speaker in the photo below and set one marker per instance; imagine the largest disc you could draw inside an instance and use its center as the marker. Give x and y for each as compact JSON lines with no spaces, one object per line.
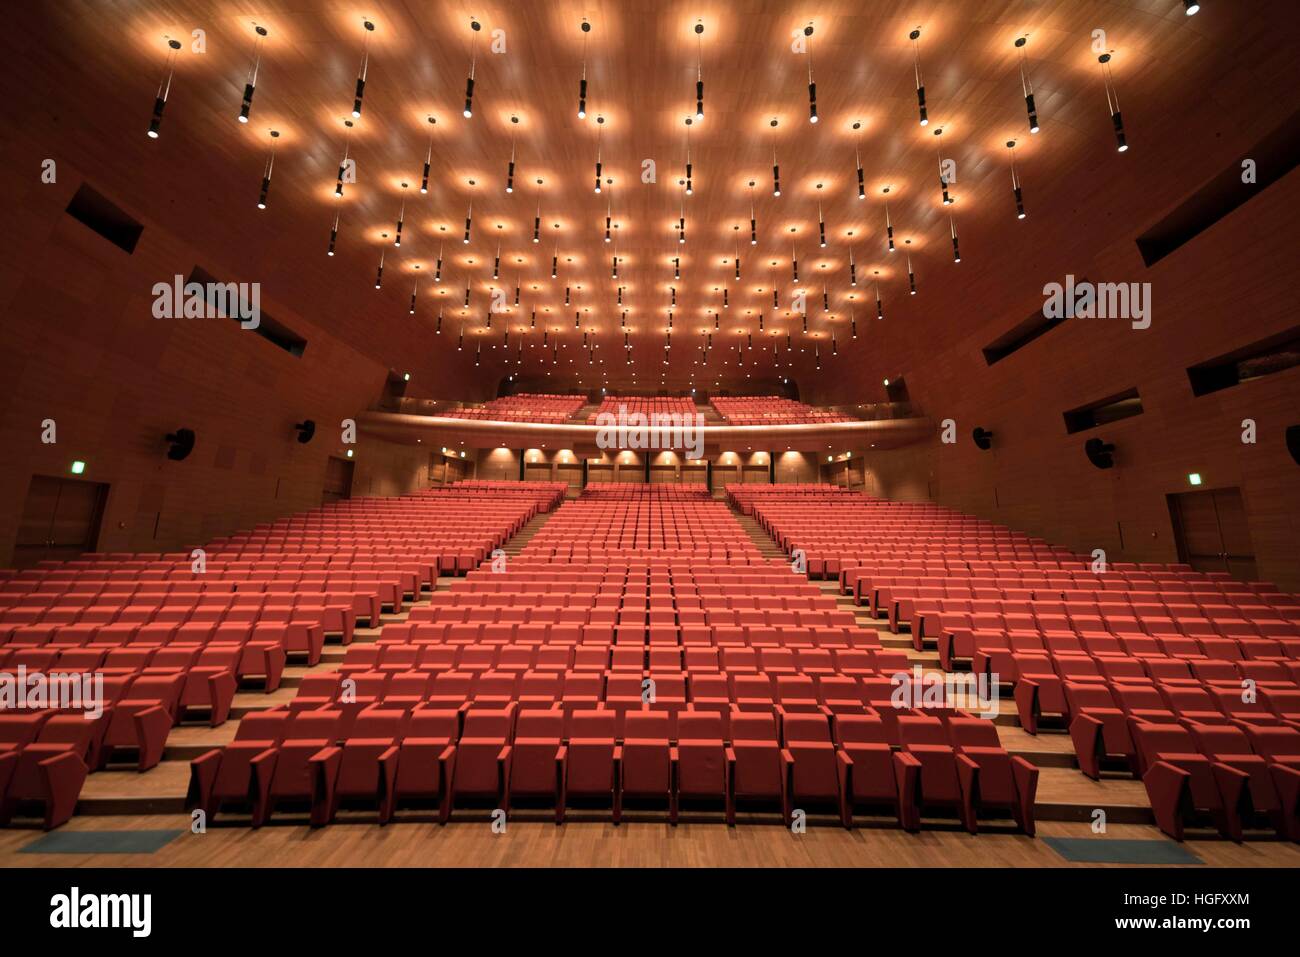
{"x":1100,"y":454}
{"x":1293,"y":442}
{"x":983,"y":438}
{"x":306,"y":430}
{"x":182,"y":444}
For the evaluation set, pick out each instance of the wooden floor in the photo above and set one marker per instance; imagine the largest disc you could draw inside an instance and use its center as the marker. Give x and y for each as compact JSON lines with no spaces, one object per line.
{"x":1066,"y":803}
{"x":541,"y":844}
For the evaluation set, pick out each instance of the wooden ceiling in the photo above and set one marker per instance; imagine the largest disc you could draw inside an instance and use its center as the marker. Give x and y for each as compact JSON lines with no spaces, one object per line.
{"x":99,"y":66}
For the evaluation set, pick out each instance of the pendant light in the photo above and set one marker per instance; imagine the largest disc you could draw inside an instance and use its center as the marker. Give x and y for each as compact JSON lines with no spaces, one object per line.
{"x":1112,"y":101}
{"x":428,"y":158}
{"x":266,"y":173}
{"x":250,"y":84}
{"x":1027,"y":86}
{"x":473,"y":58}
{"x":582,"y":84}
{"x":1015,"y":181}
{"x":164,"y":88}
{"x":365,"y":68}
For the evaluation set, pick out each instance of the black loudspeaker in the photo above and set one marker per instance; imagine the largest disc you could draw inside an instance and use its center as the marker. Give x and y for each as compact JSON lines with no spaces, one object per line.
{"x":306,"y":430}
{"x":1100,"y":454}
{"x":1293,"y":442}
{"x":182,"y":444}
{"x":983,"y":438}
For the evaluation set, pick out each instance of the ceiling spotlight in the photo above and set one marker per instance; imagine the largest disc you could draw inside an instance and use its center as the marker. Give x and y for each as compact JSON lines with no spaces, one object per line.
{"x":401,"y":216}
{"x":266,"y":174}
{"x":889,"y":226}
{"x":956,"y":253}
{"x":428,"y":158}
{"x":582,"y":84}
{"x":689,"y":187}
{"x":250,"y":84}
{"x":510,"y":171}
{"x":469,"y":82}
{"x":600,"y":122}
{"x":365,"y":66}
{"x":1112,"y":101}
{"x":164,"y":89}
{"x":1191,"y":8}
{"x":699,"y":73}
{"x":343,"y":163}
{"x":753,"y":223}
{"x":943,"y":176}
{"x":915,"y":37}
{"x":1015,"y":181}
{"x":334,"y":234}
{"x":1027,"y":87}
{"x":379,"y":276}
{"x":812,"y":87}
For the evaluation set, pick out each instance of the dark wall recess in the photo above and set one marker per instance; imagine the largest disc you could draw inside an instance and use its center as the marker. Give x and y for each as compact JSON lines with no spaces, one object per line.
{"x":1111,"y":409}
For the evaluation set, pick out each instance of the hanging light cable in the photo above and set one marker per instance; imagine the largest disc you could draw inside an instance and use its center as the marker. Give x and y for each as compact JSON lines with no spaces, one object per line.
{"x":956,"y":253}
{"x":690,"y":188}
{"x":915,"y":37}
{"x":365,"y":68}
{"x":776,"y":167}
{"x":889,"y":225}
{"x":537,"y":219}
{"x":164,"y":88}
{"x":428,"y":158}
{"x":943,"y":176}
{"x":699,"y":73}
{"x":266,"y":173}
{"x":857,"y":155}
{"x":1027,"y":86}
{"x":473,"y":61}
{"x":343,"y":163}
{"x":582,"y":84}
{"x":600,"y":122}
{"x":1112,"y":101}
{"x":753,"y":223}
{"x":1015,"y":181}
{"x":510,"y":170}
{"x":334,"y":234}
{"x":250,"y":84}
{"x":812,"y":87}
{"x":401,"y":216}
{"x":821,"y":222}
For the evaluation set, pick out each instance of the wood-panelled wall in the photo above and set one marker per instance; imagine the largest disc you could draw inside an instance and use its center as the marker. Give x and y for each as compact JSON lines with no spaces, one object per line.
{"x":79,"y":346}
{"x":1232,"y":285}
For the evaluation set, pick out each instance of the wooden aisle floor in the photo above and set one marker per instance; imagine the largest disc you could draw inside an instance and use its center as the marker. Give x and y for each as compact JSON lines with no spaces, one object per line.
{"x":541,"y":844}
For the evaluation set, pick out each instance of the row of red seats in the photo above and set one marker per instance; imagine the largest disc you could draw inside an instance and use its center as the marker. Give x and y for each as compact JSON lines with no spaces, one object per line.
{"x":1232,"y":776}
{"x":771,"y":660}
{"x":508,"y":757}
{"x":771,"y":410}
{"x":165,"y":640}
{"x":523,"y":407}
{"x":616,"y":405}
{"x":47,"y":753}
